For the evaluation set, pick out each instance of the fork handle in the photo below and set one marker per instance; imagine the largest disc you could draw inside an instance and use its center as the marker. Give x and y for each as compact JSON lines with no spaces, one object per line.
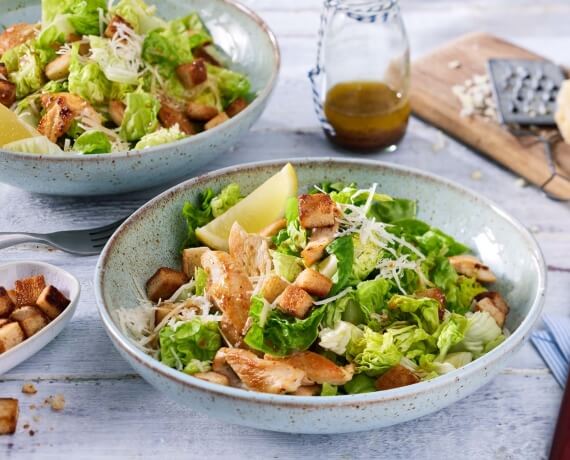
{"x":11,"y":239}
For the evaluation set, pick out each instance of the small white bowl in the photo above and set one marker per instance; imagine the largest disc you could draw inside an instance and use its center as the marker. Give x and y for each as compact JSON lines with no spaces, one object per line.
{"x":63,"y":281}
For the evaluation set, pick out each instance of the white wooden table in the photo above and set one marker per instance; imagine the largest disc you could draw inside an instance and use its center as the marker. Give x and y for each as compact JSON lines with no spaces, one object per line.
{"x":111,"y":412}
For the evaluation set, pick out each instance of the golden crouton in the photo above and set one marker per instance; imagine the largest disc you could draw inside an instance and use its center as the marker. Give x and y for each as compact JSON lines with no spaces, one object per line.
{"x":313,"y":252}
{"x":170,"y":116}
{"x":273,"y":228}
{"x":29,"y":289}
{"x":294,"y":301}
{"x":313,"y":282}
{"x":192,"y":73}
{"x":9,"y":412}
{"x":164,"y":283}
{"x":200,"y":112}
{"x":398,"y":376}
{"x":7,"y":93}
{"x":52,"y":302}
{"x":494,"y":304}
{"x":161,"y":311}
{"x":30,"y":318}
{"x":6,"y":304}
{"x":236,"y":107}
{"x":316,"y":210}
{"x":191,"y":259}
{"x":217,"y":120}
{"x":272,"y":287}
{"x":213,"y":377}
{"x":11,"y":334}
{"x":471,"y":266}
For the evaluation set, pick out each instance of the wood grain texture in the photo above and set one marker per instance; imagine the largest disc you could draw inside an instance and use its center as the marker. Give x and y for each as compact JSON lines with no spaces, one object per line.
{"x":111,"y":413}
{"x":432,"y":100}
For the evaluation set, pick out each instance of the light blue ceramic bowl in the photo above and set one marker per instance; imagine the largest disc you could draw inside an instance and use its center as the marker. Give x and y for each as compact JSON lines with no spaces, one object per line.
{"x":151,"y":238}
{"x":244,"y":37}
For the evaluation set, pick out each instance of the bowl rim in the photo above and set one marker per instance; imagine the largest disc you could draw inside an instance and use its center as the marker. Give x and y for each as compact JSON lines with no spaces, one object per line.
{"x":260,"y":99}
{"x":356,"y":400}
{"x":66,"y":315}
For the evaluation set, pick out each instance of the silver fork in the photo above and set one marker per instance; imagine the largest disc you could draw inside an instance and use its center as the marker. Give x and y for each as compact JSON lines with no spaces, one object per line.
{"x":81,"y":242}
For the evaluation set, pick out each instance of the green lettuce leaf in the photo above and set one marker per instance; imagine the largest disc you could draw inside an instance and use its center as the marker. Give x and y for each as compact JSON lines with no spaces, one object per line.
{"x":228,"y":197}
{"x":287,"y":266}
{"x":374,"y":353}
{"x":25,"y":69}
{"x":452,"y":332}
{"x":159,"y":137}
{"x":115,"y":68}
{"x":92,"y":142}
{"x":366,"y":258}
{"x":372,"y":295}
{"x":393,"y":210}
{"x":422,"y":311}
{"x":329,"y":390}
{"x":337,"y":339}
{"x":140,"y":116}
{"x":438,"y":242}
{"x":360,"y":383}
{"x":230,"y":83}
{"x":343,"y":249}
{"x":201,"y":279}
{"x":281,"y":334}
{"x":82,"y":15}
{"x":185,"y":346}
{"x":197,"y":215}
{"x":139,"y":15}
{"x":411,"y":340}
{"x":481,"y":331}
{"x":86,"y":79}
{"x":293,"y":238}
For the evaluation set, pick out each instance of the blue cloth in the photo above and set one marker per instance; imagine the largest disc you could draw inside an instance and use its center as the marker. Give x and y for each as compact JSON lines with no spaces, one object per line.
{"x":553,"y":345}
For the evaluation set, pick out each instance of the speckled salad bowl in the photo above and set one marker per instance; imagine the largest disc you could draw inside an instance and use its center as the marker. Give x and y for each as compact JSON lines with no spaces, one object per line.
{"x":151,"y":237}
{"x":243,"y":36}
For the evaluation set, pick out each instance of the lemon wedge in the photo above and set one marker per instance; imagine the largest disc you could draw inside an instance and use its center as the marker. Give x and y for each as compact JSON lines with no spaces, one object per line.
{"x":260,"y":208}
{"x":36,"y":144}
{"x":13,"y":129}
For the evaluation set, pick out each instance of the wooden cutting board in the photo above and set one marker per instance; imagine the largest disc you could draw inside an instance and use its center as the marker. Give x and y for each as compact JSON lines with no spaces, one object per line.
{"x":432,"y":100}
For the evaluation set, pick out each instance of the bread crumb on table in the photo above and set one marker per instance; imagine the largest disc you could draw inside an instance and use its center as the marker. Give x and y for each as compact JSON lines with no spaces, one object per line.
{"x":29,"y":389}
{"x":57,"y":402}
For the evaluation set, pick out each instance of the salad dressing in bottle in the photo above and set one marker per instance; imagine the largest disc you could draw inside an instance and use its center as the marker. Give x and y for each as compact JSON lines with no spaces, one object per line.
{"x":363,"y":71}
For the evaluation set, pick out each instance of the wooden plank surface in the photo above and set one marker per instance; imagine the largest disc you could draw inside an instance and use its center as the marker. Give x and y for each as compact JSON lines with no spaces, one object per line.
{"x":111,"y":413}
{"x":432,"y":100}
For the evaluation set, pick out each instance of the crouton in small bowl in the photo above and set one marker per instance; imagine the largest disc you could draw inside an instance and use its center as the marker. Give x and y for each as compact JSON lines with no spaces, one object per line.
{"x":143,"y":261}
{"x":37,"y":300}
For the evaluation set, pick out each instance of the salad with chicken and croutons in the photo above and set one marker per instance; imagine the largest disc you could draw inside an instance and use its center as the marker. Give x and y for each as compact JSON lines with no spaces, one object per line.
{"x":97,"y":77}
{"x":339,"y":290}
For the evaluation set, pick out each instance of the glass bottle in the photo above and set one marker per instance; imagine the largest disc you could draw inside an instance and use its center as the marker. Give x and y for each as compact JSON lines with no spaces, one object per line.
{"x":362,"y":78}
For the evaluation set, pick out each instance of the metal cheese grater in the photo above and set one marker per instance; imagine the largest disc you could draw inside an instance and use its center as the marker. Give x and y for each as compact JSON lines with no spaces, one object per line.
{"x":525,"y":93}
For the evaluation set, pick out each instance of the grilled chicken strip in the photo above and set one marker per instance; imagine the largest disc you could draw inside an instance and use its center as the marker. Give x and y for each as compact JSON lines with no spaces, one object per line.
{"x":250,"y":250}
{"x":16,"y":35}
{"x":230,"y":290}
{"x":317,"y":368}
{"x":61,"y":110}
{"x":267,"y":376}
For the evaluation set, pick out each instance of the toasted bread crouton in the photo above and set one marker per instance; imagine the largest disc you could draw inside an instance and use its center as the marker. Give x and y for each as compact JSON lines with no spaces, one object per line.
{"x":191,"y":258}
{"x":11,"y":334}
{"x":294,"y":301}
{"x":9,"y":412}
{"x":52,"y":302}
{"x":169,"y":116}
{"x":200,"y":112}
{"x":272,"y":287}
{"x":398,"y":376}
{"x":236,"y":107}
{"x":7,"y":93}
{"x":217,"y":120}
{"x":6,"y":304}
{"x":494,"y":304}
{"x":213,"y":377}
{"x":314,"y":283}
{"x":316,"y":210}
{"x":313,"y":252}
{"x":116,"y":111}
{"x":192,"y":73}
{"x":273,"y":228}
{"x":30,"y":318}
{"x":164,"y":283}
{"x":29,"y":289}
{"x":161,"y":311}
{"x":308,"y":390}
{"x":471,"y":266}
{"x":116,"y":23}
{"x":59,"y":67}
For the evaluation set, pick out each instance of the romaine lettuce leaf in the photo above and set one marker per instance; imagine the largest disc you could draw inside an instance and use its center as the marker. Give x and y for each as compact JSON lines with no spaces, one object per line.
{"x":139,"y":15}
{"x":201,"y":279}
{"x":230,"y":83}
{"x":82,"y":15}
{"x":360,"y":383}
{"x":293,"y":238}
{"x":422,"y":311}
{"x":393,"y":210}
{"x":25,"y":69}
{"x":286,"y":265}
{"x":228,"y":197}
{"x":337,"y":339}
{"x":159,"y":137}
{"x":140,"y":116}
{"x":281,"y":334}
{"x":366,"y":258}
{"x":329,"y":390}
{"x":481,"y":330}
{"x":92,"y":142}
{"x":373,"y":353}
{"x":87,"y":79}
{"x":372,"y":295}
{"x":343,"y":249}
{"x":452,"y":332}
{"x":181,"y":346}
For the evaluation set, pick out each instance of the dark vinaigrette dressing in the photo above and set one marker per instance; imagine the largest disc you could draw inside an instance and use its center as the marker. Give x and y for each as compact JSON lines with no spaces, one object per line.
{"x":366,"y":115}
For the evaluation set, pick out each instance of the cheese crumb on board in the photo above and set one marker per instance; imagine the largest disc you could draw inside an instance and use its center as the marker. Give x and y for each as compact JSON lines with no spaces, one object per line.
{"x":476,"y":97}
{"x":29,"y":389}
